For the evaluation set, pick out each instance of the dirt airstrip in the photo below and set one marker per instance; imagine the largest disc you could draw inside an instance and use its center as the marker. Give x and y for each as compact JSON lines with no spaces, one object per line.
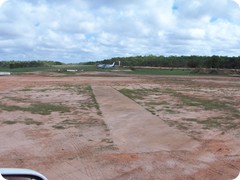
{"x":120,"y":126}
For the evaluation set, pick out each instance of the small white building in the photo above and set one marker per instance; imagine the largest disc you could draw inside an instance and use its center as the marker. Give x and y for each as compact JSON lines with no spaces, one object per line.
{"x":72,"y":70}
{"x":5,"y":73}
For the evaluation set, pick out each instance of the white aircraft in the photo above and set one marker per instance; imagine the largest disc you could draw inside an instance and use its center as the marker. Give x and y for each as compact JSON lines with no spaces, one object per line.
{"x":105,"y":66}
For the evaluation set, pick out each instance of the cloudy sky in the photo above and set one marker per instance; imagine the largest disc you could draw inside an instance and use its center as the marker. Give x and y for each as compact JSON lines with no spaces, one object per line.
{"x":90,"y":30}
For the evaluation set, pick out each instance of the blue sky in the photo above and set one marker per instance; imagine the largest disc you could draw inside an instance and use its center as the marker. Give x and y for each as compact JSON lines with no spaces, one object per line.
{"x":89,"y":30}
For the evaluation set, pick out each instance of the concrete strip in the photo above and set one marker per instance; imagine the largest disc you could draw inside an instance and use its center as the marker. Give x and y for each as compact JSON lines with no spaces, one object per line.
{"x":134,"y":129}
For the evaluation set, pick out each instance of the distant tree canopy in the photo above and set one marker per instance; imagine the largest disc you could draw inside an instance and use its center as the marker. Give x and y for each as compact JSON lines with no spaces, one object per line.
{"x":223,"y":62}
{"x":24,"y":64}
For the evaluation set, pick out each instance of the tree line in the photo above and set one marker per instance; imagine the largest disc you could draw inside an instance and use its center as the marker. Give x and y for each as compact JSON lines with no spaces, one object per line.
{"x":25,"y":64}
{"x":223,"y":62}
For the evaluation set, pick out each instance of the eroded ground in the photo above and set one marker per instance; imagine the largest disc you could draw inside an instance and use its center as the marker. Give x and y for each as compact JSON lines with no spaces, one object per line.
{"x":55,"y":125}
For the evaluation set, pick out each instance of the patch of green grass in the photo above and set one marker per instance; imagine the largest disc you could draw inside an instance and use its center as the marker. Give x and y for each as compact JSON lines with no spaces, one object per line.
{"x":85,"y":89}
{"x":88,"y":104}
{"x":47,"y":108}
{"x":210,"y":104}
{"x":79,"y":89}
{"x":134,"y":94}
{"x":91,"y":102}
{"x":215,"y":122}
{"x":191,"y":119}
{"x":9,"y":122}
{"x":29,"y":69}
{"x":26,"y":89}
{"x":45,"y":90}
{"x":158,"y":103}
{"x":10,"y":108}
{"x":182,"y":127}
{"x":171,"y":111}
{"x":107,"y":140}
{"x":75,"y":124}
{"x":53,"y":68}
{"x":185,"y":100}
{"x":17,"y":99}
{"x":94,"y":101}
{"x":140,"y":94}
{"x":228,"y":121}
{"x":204,"y":103}
{"x":211,"y":123}
{"x":67,"y":124}
{"x":168,"y":91}
{"x":231,"y":126}
{"x":38,"y":108}
{"x":62,"y":69}
{"x":84,"y":107}
{"x":110,"y":147}
{"x":57,"y":126}
{"x":28,"y":121}
{"x":78,"y":67}
{"x":161,"y":71}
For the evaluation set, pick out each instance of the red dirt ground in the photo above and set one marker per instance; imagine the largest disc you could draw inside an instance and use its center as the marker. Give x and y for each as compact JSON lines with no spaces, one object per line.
{"x":81,"y":144}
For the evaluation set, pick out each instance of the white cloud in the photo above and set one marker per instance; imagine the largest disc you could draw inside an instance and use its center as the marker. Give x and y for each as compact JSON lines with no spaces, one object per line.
{"x":2,"y":2}
{"x":237,"y":1}
{"x":82,"y":30}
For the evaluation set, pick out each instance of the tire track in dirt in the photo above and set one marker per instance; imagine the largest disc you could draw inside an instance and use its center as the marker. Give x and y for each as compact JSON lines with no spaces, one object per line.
{"x":78,"y":159}
{"x":134,"y":129}
{"x":74,"y":163}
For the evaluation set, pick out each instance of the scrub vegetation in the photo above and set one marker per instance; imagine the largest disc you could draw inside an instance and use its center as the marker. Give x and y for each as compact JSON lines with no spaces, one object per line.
{"x":179,"y":61}
{"x":173,"y":104}
{"x":38,"y":108}
{"x":27,"y":121}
